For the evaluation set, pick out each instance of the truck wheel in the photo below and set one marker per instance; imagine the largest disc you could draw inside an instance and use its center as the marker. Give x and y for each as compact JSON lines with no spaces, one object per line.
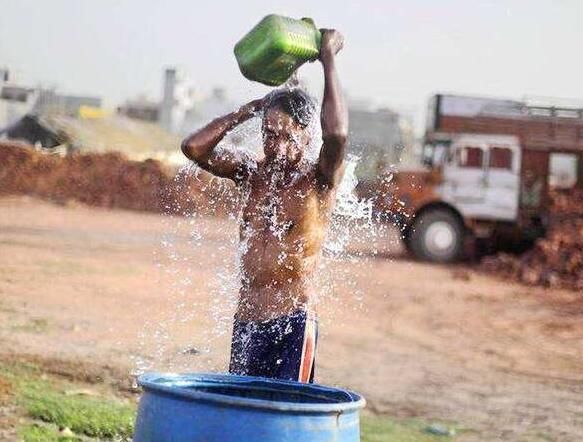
{"x":437,"y":236}
{"x":406,"y":241}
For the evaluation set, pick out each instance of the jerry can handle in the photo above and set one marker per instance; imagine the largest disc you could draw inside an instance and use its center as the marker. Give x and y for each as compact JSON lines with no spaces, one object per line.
{"x":319,"y":35}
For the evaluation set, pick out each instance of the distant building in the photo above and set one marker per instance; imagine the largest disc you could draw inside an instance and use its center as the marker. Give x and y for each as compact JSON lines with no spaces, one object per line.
{"x":62,"y":123}
{"x":18,"y":94}
{"x":177,"y":99}
{"x":51,"y":102}
{"x":15,"y":101}
{"x":376,"y":136}
{"x":139,"y":140}
{"x":35,"y":131}
{"x":141,"y":109}
{"x":206,"y":109}
{"x":4,"y":75}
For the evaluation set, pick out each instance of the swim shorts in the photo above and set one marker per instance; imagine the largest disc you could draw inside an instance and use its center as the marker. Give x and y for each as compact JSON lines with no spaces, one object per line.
{"x":280,"y":348}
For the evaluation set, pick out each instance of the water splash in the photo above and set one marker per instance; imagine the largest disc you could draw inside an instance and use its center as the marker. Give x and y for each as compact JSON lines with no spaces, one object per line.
{"x":348,"y":210}
{"x":192,"y":329}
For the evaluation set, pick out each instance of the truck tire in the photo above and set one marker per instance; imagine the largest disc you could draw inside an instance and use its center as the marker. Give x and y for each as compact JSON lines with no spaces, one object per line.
{"x":437,"y":236}
{"x":406,"y":241}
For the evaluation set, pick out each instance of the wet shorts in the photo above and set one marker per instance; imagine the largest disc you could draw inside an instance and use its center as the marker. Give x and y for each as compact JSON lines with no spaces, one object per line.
{"x":280,"y":348}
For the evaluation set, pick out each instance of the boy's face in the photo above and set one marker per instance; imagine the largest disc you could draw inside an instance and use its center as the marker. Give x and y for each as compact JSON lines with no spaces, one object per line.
{"x":283,"y":137}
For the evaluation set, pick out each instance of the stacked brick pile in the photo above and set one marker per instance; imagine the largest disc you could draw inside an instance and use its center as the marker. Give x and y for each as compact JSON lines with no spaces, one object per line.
{"x":110,"y":180}
{"x":555,"y":260}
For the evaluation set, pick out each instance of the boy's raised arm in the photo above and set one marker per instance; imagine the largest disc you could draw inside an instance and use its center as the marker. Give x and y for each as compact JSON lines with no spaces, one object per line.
{"x":334,"y":117}
{"x":200,"y":146}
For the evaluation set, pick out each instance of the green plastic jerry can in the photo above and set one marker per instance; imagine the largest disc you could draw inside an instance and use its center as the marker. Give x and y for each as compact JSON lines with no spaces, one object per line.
{"x":276,"y":47}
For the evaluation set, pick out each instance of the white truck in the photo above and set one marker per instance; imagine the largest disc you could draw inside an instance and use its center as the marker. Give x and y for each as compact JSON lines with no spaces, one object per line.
{"x":486,"y":174}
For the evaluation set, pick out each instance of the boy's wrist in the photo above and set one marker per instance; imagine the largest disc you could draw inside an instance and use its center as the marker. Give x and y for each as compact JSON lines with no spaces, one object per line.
{"x":326,"y":56}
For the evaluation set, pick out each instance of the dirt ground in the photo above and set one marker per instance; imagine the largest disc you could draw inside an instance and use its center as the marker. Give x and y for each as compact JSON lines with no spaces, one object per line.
{"x":96,"y":286}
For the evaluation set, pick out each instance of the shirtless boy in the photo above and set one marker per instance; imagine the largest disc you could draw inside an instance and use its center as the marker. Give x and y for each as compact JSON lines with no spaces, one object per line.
{"x":284,"y":219}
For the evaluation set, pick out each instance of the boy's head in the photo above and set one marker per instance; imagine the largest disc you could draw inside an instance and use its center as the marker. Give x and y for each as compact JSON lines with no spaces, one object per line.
{"x":286,"y":117}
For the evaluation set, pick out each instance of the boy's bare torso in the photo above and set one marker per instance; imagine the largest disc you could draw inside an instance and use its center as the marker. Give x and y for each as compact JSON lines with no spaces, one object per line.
{"x":282,"y":229}
{"x":288,"y":199}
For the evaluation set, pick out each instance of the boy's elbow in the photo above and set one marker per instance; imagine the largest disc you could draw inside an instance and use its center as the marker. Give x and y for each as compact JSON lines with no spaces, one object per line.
{"x":185,"y":146}
{"x":341,"y":137}
{"x":190,"y":149}
{"x":338,"y":137}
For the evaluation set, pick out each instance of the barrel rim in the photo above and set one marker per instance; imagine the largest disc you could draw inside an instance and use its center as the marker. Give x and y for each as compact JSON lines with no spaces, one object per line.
{"x":151,"y":381}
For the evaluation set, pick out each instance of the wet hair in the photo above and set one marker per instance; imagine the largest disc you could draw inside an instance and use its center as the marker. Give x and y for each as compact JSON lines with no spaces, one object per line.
{"x":294,"y":102}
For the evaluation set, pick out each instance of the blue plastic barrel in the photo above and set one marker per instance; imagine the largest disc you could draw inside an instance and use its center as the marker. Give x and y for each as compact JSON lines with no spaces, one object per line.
{"x":226,"y":408}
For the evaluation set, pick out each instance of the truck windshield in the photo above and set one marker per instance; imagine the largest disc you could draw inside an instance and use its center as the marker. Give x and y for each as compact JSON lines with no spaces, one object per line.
{"x":434,"y":155}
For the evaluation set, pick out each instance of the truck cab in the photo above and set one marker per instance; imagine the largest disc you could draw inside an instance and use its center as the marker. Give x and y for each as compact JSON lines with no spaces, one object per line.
{"x":481,"y":177}
{"x":478,"y":185}
{"x":485,"y":177}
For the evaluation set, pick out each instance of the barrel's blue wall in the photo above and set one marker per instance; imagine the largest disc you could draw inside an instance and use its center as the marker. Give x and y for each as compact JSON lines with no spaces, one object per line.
{"x":168,"y":417}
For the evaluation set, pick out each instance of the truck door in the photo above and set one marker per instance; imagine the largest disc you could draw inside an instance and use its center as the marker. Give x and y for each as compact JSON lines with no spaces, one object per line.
{"x":503,"y":181}
{"x":464,"y":178}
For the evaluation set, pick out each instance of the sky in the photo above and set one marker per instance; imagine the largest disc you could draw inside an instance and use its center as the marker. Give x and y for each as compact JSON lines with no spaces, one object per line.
{"x":397,"y":53}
